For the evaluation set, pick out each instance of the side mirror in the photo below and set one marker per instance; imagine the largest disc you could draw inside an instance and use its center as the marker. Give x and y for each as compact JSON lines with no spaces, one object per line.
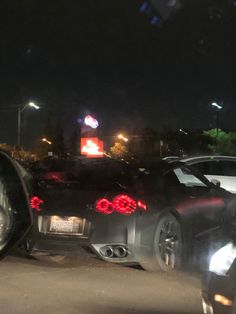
{"x":216,"y":182}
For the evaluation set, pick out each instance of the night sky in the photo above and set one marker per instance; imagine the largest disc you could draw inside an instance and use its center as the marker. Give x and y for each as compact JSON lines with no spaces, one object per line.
{"x":105,"y":57}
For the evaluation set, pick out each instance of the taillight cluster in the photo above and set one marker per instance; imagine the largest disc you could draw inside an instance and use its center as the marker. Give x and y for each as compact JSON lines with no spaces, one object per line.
{"x":35,"y":203}
{"x":122,"y":204}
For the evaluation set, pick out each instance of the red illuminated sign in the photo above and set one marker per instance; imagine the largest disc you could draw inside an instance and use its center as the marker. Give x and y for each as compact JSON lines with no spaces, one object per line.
{"x":92,"y":147}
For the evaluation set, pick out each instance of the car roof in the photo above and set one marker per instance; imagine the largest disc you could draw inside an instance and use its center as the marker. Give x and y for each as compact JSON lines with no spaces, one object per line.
{"x":196,"y":159}
{"x":115,"y":166}
{"x":158,"y":164}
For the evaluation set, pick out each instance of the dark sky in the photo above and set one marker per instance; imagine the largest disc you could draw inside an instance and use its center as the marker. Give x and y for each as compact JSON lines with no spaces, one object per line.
{"x":104,"y":57}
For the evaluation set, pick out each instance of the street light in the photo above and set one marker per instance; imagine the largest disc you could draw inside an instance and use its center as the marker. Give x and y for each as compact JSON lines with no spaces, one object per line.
{"x":214,"y":104}
{"x":121,"y":137}
{"x":182,"y":131}
{"x":46,"y":141}
{"x":218,"y":108}
{"x":32,"y":104}
{"x":19,"y":112}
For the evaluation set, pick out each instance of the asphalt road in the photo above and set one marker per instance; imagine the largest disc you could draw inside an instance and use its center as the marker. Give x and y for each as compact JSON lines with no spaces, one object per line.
{"x":91,"y":286}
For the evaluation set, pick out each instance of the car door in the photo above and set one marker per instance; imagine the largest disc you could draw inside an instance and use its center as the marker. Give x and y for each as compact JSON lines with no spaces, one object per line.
{"x":15,"y":214}
{"x":199,"y":208}
{"x":202,"y":211}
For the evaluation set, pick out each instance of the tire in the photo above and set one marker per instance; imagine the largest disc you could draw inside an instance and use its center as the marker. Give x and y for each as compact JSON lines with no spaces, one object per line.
{"x":166,"y":247}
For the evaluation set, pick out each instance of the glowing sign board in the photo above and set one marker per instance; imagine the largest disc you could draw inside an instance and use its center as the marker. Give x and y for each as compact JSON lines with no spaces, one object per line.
{"x":92,"y":147}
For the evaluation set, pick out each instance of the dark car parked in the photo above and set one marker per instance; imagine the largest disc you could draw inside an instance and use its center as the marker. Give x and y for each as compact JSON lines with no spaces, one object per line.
{"x":155,"y":214}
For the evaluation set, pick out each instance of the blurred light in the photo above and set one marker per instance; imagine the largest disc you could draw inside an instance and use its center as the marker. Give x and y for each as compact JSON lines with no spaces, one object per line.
{"x":222,"y":260}
{"x":223,"y":300}
{"x":124,"y":204}
{"x":182,"y":131}
{"x":45,"y":140}
{"x":92,"y":147}
{"x":144,"y":7}
{"x":104,"y":206}
{"x":155,"y":20}
{"x":90,"y":121}
{"x":214,"y":104}
{"x":142,"y":205}
{"x":35,"y":203}
{"x":120,"y":136}
{"x":54,"y":176}
{"x":32,"y":104}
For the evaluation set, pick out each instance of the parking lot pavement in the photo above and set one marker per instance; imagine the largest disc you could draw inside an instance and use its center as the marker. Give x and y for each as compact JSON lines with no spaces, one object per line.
{"x":92,"y":286}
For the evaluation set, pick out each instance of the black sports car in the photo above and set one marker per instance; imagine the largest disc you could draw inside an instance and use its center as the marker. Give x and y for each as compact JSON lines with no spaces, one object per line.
{"x":155,"y":214}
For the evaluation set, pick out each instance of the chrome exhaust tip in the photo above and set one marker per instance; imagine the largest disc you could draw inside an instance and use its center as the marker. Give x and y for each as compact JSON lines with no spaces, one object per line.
{"x":120,"y":251}
{"x":107,"y":251}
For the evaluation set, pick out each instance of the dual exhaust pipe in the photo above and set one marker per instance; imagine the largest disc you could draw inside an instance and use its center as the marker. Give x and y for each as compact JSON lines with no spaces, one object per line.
{"x":114,"y":251}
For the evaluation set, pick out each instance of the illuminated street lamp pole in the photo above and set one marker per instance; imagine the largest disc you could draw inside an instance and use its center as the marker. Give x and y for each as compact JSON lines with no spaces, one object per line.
{"x":19,"y":112}
{"x":218,"y":108}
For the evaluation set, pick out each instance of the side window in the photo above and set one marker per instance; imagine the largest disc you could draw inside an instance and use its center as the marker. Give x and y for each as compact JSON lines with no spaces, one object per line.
{"x":171,"y":180}
{"x":229,"y":168}
{"x":209,"y":168}
{"x":186,"y":177}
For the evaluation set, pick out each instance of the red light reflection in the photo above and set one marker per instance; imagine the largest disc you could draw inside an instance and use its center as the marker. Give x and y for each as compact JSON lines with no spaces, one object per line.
{"x":35,"y":203}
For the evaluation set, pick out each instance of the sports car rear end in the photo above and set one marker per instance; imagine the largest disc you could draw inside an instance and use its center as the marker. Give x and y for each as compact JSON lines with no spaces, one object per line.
{"x":67,"y":217}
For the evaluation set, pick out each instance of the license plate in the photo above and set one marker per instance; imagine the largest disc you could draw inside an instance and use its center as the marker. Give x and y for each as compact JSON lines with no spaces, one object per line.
{"x":65,"y":225}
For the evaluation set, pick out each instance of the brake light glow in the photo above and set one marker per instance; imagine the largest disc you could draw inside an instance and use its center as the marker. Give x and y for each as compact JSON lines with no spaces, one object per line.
{"x":124,"y":204}
{"x":142,"y":205}
{"x":104,"y":206}
{"x":54,"y":176}
{"x":35,"y":203}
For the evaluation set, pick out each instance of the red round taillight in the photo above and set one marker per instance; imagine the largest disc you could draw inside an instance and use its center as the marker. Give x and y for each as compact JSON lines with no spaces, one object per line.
{"x":35,"y":203}
{"x":104,"y":206}
{"x":124,"y":204}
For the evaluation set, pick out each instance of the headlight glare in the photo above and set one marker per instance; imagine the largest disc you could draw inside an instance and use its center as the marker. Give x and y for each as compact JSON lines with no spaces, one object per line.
{"x":222,"y":260}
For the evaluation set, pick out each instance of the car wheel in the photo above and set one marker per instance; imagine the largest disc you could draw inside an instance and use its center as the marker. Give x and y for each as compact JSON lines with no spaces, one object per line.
{"x":166,"y":250}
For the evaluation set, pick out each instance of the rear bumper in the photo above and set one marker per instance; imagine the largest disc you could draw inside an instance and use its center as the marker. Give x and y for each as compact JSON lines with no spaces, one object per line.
{"x":58,"y":246}
{"x":104,"y":231}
